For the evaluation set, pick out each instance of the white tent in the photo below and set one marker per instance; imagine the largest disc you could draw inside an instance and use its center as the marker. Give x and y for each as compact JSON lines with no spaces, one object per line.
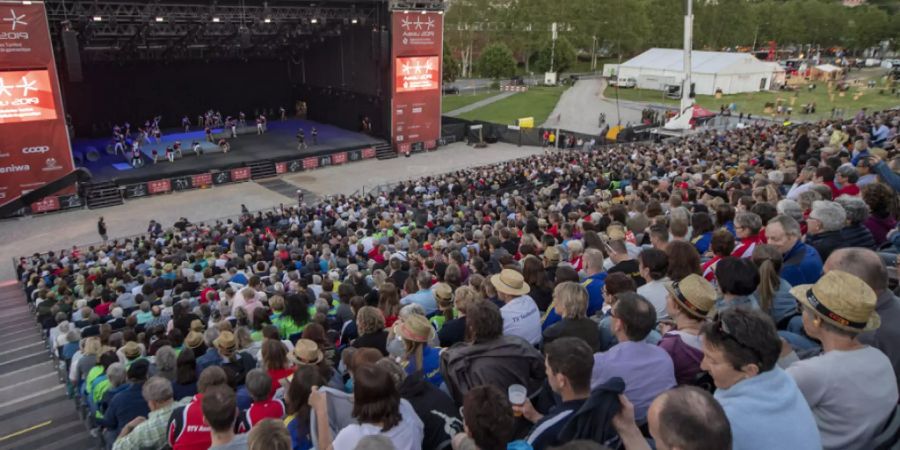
{"x":731,"y":73}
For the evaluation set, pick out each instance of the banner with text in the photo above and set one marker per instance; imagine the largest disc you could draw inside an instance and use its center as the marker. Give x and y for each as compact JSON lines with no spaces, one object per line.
{"x":34,"y":141}
{"x":417,"y":49}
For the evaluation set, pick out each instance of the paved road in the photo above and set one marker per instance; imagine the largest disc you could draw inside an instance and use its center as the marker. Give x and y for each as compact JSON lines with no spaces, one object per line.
{"x":580,"y":106}
{"x":480,"y":103}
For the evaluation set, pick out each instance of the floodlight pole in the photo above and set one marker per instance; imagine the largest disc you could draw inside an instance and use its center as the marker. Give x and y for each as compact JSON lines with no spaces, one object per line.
{"x":683,"y":120}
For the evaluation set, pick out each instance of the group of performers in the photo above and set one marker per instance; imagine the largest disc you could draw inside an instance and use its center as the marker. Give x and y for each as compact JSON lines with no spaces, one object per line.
{"x":301,"y":138}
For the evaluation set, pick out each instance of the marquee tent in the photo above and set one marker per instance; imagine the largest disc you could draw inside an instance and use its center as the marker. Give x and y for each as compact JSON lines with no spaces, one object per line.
{"x":731,"y":73}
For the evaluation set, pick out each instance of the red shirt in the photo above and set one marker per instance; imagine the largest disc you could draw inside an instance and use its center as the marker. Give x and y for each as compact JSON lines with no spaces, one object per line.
{"x":102,"y":309}
{"x":186,"y":428}
{"x":847,"y":189}
{"x":277,"y":375}
{"x":258,"y":411}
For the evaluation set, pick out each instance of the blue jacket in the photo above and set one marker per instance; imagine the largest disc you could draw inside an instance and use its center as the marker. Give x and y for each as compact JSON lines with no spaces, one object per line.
{"x":124,"y":407}
{"x":887,"y":175}
{"x":210,"y":358}
{"x":802,"y":265}
{"x":594,"y":285}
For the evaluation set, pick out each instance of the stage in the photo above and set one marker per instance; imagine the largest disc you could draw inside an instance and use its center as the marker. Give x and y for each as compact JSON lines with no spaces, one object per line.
{"x":277,"y":144}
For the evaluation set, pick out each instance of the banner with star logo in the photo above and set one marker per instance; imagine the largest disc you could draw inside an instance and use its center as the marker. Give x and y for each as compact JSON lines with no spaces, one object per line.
{"x":417,"y":49}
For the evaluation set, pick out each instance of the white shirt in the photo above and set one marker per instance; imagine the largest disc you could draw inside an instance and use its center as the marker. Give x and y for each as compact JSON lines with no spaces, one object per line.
{"x":655,"y":292}
{"x":851,"y":394}
{"x":522,"y":318}
{"x":406,"y":435}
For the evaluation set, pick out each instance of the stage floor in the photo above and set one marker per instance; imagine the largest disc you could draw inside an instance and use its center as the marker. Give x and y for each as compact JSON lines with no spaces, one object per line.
{"x":279,"y":143}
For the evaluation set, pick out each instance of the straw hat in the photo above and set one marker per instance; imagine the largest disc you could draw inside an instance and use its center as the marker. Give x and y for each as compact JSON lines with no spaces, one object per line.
{"x":510,"y":282}
{"x":842,"y":300}
{"x":131,"y":350}
{"x":225,"y":341}
{"x":552,"y":254}
{"x":693,"y":293}
{"x":306,"y":352}
{"x":414,"y":328}
{"x":197,"y":325}
{"x":193,"y":340}
{"x":442,"y":291}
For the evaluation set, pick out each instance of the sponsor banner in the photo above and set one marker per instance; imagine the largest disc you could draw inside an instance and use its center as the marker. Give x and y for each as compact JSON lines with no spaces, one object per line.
{"x":281,"y":167}
{"x":240,"y":174}
{"x":34,"y":141}
{"x":368,"y":153}
{"x":295,"y":166}
{"x":417,"y":41}
{"x":354,"y":155}
{"x":430,"y":145}
{"x":310,"y":163}
{"x":339,"y":158}
{"x":70,"y":201}
{"x":159,"y":186}
{"x":183,"y":183}
{"x":201,"y":180}
{"x":136,"y":190}
{"x":325,"y":161}
{"x":221,"y":177}
{"x":45,"y":204}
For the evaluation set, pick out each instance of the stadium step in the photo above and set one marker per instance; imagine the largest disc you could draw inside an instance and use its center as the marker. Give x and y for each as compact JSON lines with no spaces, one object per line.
{"x":101,"y":195}
{"x":385,"y":151}
{"x":262,"y":169}
{"x":35,"y":412}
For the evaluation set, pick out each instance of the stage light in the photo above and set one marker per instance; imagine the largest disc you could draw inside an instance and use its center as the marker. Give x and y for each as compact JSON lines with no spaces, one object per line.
{"x":354,"y":21}
{"x":160,"y":19}
{"x":423,"y":12}
{"x":26,"y":2}
{"x":314,"y":21}
{"x":267,"y":20}
{"x":216,"y":19}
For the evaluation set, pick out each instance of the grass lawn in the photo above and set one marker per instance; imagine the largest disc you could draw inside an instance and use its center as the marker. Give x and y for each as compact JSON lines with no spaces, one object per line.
{"x":453,"y":102}
{"x":858,"y":96}
{"x":538,"y":102}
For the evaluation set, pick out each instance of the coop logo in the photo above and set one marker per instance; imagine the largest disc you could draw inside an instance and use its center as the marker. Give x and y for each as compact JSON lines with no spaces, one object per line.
{"x":35,"y":150}
{"x":15,"y":168}
{"x":15,"y":20}
{"x":50,"y":165}
{"x":418,"y":24}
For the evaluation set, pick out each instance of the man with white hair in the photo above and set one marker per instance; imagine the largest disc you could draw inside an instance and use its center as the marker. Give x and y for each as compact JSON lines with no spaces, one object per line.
{"x":824,"y":227}
{"x":150,"y":432}
{"x":854,"y":233}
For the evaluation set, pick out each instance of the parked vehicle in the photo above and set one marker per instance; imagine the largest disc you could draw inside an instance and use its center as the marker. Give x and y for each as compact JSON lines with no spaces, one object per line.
{"x":451,"y":90}
{"x":623,"y":82}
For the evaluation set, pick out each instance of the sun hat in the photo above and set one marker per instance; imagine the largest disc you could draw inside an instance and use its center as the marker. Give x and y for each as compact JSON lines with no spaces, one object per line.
{"x":552,"y":254}
{"x":306,"y":352}
{"x":510,"y":282}
{"x":414,"y":328}
{"x":693,"y":293}
{"x":131,"y":350}
{"x":197,"y":325}
{"x":841,"y":299}
{"x":193,"y":339}
{"x":442,"y":291}
{"x":225,"y":341}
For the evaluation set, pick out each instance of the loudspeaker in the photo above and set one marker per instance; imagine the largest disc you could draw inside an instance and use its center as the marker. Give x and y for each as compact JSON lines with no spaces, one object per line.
{"x":72,"y":56}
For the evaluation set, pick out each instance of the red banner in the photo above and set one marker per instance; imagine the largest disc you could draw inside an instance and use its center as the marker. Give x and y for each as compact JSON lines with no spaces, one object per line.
{"x":46,"y":204}
{"x":281,"y":167}
{"x":201,"y":180}
{"x":159,"y":186}
{"x":240,"y":174}
{"x":417,"y":49}
{"x":368,"y":153}
{"x":339,"y":158}
{"x":430,"y":145}
{"x":34,"y":141}
{"x":310,"y":163}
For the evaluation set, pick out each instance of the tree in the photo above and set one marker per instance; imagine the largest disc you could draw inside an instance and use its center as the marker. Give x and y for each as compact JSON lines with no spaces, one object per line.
{"x":563,"y":56}
{"x":497,"y":62}
{"x":450,"y":65}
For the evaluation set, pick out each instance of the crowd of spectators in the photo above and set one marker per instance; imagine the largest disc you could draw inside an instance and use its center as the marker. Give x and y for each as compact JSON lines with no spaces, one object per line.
{"x":725,"y":290}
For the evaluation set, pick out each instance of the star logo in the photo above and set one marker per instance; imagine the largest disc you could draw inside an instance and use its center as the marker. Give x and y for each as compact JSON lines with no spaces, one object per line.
{"x":26,"y":86}
{"x":14,"y":19}
{"x":4,"y":89}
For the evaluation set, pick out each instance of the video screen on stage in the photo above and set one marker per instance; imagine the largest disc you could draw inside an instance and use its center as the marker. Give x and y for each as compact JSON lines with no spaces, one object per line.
{"x":418,"y":73}
{"x":26,"y":96}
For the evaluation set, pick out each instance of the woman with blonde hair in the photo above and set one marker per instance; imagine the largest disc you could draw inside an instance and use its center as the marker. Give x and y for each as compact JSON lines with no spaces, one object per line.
{"x":370,"y":325}
{"x":454,"y":330}
{"x":571,"y":302}
{"x":415,"y":331}
{"x":774,"y":292}
{"x":81,"y":365}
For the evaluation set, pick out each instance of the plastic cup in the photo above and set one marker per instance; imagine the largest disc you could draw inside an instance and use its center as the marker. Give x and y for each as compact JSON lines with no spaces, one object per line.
{"x":517,"y":396}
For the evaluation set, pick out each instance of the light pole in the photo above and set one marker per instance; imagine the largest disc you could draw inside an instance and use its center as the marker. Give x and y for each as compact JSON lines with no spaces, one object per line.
{"x":593,"y":53}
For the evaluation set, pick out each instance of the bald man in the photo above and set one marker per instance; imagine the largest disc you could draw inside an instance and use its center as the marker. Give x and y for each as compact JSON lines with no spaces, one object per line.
{"x":868,"y":266}
{"x":682,"y":418}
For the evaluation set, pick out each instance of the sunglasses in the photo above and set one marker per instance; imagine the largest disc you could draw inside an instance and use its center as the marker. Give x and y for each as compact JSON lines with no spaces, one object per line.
{"x":723,"y":328}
